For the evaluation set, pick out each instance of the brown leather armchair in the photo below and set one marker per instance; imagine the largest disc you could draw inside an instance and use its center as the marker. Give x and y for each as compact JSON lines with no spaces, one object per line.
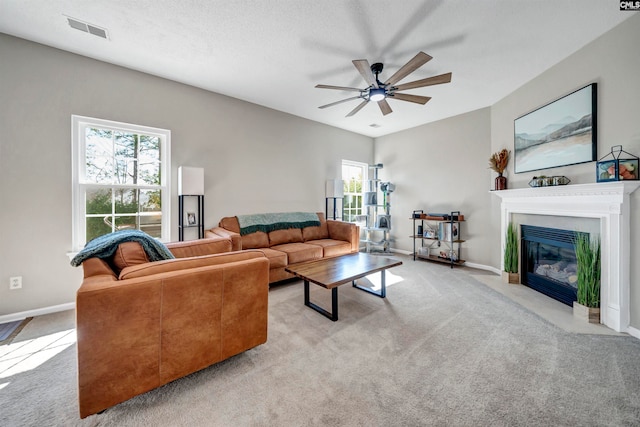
{"x":143,"y":324}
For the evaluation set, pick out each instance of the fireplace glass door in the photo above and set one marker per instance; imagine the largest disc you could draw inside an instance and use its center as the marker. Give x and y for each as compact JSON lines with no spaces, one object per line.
{"x":549,"y":262}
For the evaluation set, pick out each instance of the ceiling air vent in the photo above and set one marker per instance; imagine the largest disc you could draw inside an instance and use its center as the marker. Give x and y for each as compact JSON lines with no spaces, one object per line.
{"x":87,"y":28}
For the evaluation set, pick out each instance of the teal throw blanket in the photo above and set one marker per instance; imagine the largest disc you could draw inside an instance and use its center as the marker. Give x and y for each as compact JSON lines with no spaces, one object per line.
{"x":105,"y":246}
{"x":276,"y":221}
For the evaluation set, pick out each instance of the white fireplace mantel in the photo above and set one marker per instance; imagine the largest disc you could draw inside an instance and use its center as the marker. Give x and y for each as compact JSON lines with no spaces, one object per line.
{"x":608,"y":202}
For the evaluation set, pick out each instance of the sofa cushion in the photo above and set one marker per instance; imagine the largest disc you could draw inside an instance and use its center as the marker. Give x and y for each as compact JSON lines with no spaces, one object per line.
{"x":128,"y":254}
{"x":332,"y":247}
{"x":280,"y":237}
{"x":97,"y":267}
{"x":277,"y":259}
{"x":300,"y":252}
{"x":257,"y":240}
{"x":315,"y":233}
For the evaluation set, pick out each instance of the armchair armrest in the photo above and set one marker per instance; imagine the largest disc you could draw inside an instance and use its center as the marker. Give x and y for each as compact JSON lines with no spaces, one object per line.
{"x":173,"y":265}
{"x":214,"y":244}
{"x":236,"y":240}
{"x":347,"y":231}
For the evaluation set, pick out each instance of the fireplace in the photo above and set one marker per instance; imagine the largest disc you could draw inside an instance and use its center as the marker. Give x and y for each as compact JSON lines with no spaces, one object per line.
{"x":548,"y":262}
{"x":609,"y":203}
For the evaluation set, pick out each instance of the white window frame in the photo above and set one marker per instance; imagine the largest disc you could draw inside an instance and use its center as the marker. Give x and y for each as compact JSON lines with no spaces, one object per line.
{"x":78,"y":161}
{"x":365,"y":177}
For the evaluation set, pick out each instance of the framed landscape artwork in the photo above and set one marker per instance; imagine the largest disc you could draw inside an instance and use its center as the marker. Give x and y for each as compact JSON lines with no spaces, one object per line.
{"x":560,"y":133}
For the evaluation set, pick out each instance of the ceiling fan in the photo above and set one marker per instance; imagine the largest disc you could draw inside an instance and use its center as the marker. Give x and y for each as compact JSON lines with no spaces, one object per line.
{"x":379,"y":92}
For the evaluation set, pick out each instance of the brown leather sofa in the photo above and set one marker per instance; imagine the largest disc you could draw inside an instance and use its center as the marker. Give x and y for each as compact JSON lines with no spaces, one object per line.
{"x":294,"y":245}
{"x":142,"y":324}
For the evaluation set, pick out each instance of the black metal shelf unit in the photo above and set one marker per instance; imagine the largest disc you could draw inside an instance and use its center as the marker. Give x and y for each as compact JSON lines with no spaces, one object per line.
{"x":451,"y":238}
{"x":337,"y":214}
{"x":197,"y":222}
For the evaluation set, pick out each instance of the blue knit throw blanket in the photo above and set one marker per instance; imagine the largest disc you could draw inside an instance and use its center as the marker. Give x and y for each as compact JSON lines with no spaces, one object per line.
{"x":105,"y":246}
{"x":276,"y":221}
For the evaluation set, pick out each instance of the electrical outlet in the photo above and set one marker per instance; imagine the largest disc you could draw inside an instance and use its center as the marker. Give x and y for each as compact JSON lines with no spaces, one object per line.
{"x":15,"y":282}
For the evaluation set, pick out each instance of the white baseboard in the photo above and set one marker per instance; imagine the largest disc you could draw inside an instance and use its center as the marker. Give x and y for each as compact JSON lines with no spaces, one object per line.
{"x":37,"y":312}
{"x":400,"y":251}
{"x":467,"y":264}
{"x":483,"y":267}
{"x":633,"y":332}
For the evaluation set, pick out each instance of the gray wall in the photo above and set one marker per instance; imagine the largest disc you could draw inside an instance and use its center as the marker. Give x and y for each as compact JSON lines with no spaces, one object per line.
{"x":443,"y":165}
{"x":440,"y":167}
{"x":613,"y":62}
{"x":255,"y":159}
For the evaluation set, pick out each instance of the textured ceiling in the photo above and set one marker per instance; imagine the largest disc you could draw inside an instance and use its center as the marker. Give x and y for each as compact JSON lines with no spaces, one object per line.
{"x":274,"y":52}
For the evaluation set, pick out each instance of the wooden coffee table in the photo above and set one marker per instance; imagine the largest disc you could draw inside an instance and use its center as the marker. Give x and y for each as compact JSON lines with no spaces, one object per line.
{"x":333,"y":272}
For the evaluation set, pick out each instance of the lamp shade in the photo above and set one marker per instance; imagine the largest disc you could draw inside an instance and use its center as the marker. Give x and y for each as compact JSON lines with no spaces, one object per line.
{"x":334,"y":188}
{"x":190,"y":181}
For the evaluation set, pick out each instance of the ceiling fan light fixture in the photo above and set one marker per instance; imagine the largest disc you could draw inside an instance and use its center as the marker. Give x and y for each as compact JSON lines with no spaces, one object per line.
{"x":378,"y":91}
{"x":376,"y":94}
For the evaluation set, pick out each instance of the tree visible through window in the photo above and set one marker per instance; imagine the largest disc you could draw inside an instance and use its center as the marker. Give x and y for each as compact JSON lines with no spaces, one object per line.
{"x":119,"y":179}
{"x":353,"y":175}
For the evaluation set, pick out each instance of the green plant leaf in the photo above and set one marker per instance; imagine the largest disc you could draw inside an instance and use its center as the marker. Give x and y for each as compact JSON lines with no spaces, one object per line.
{"x":589,"y":270}
{"x":511,"y":250}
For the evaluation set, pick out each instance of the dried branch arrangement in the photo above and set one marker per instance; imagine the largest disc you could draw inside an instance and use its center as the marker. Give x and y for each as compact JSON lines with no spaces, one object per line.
{"x":499,"y":161}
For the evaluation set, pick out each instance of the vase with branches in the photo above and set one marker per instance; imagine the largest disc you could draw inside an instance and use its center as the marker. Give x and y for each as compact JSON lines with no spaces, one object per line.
{"x":588,"y":276}
{"x":498,"y":162}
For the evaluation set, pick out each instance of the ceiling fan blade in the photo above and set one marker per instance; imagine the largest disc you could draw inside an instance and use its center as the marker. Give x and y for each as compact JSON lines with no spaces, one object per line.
{"x":416,"y":62}
{"x":345,"y":88}
{"x":411,"y":98}
{"x":429,"y":81}
{"x":365,"y":71}
{"x":339,"y":102}
{"x":358,"y":108}
{"x":384,"y":107}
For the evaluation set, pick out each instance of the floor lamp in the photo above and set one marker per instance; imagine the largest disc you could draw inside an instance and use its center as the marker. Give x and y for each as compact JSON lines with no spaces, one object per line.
{"x":190,"y":185}
{"x":334,"y":190}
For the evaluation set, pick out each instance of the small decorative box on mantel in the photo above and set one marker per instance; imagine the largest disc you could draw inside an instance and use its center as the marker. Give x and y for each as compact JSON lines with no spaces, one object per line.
{"x":614,"y":168}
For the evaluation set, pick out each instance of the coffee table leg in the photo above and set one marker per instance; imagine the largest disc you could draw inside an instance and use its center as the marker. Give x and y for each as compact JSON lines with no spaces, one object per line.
{"x":306,"y":293}
{"x":334,"y":303}
{"x":383,"y":287}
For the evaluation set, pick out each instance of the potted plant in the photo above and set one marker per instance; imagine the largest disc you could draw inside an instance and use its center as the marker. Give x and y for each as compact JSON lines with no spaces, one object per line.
{"x":498,"y":162}
{"x":510,"y":274}
{"x":588,"y":259}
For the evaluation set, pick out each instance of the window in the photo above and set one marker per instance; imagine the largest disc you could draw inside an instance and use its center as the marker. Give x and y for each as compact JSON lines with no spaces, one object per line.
{"x":120,"y":179}
{"x":353,"y":174}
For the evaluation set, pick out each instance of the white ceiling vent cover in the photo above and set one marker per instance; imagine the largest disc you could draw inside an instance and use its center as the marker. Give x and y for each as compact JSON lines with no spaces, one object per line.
{"x":87,"y":28}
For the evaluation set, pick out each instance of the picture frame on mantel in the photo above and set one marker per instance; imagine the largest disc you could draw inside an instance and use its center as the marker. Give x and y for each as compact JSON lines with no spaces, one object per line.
{"x":561,"y":133}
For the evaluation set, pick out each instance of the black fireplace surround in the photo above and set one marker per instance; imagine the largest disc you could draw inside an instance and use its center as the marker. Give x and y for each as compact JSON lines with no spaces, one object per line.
{"x":548,"y":261}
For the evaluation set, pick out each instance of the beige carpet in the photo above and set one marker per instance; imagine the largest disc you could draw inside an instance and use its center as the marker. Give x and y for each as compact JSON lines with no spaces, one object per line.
{"x":9,"y":330}
{"x":549,"y":309}
{"x":442,"y":349}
